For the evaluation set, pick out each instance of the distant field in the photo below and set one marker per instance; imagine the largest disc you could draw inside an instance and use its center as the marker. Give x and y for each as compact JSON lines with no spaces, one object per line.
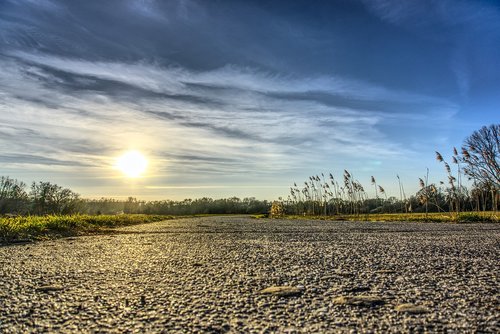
{"x":39,"y":227}
{"x":445,"y":217}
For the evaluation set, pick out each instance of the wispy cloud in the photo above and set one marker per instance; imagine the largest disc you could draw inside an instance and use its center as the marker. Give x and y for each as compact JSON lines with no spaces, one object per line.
{"x":176,"y":80}
{"x":239,"y":114}
{"x":22,"y":159}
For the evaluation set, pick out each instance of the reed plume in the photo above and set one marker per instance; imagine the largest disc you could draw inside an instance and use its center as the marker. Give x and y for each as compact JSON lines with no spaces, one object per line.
{"x":439,"y":157}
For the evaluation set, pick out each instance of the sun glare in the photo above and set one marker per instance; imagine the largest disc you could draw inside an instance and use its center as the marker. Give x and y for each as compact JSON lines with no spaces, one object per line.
{"x":132,"y":164}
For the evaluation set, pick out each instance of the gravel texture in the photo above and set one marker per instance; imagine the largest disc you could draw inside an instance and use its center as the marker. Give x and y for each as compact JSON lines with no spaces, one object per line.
{"x":208,"y":275}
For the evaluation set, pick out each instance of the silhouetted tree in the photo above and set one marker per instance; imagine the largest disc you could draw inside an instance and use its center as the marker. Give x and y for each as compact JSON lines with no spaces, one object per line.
{"x":49,"y":198}
{"x":13,"y":196}
{"x":481,"y":155}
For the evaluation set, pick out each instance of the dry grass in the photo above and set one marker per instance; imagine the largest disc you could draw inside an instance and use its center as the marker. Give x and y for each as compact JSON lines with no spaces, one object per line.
{"x":447,"y":217}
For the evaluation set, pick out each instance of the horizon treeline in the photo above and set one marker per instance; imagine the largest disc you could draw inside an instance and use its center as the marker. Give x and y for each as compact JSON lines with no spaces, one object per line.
{"x":43,"y":198}
{"x":319,"y":195}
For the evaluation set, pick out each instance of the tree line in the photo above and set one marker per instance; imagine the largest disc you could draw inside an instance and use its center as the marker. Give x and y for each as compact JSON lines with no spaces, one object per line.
{"x":43,"y":198}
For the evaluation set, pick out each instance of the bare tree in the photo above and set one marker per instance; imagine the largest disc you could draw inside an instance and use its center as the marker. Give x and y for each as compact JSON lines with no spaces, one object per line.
{"x":13,"y":196}
{"x":49,"y":198}
{"x":481,"y":155}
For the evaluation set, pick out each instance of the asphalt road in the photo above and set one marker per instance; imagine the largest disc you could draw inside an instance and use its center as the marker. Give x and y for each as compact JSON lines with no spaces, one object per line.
{"x":207,"y":275}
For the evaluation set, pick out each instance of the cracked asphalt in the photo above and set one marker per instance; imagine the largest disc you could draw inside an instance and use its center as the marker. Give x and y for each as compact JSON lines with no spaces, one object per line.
{"x":207,"y":275}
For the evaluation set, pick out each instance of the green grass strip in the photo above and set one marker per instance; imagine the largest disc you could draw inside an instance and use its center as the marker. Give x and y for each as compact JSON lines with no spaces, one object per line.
{"x":39,"y":227}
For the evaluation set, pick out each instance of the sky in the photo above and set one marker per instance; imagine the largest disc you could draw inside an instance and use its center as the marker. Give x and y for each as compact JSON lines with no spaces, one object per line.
{"x":241,"y":98}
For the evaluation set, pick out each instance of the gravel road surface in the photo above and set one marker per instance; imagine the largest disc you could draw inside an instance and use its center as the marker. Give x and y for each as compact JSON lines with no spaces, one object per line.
{"x":243,"y":275}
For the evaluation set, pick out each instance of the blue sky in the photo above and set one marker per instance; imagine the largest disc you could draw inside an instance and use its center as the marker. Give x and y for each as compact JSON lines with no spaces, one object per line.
{"x":241,"y":98}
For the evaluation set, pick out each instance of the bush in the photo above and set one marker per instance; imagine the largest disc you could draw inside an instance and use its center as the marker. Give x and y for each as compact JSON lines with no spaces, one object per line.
{"x":277,"y":209}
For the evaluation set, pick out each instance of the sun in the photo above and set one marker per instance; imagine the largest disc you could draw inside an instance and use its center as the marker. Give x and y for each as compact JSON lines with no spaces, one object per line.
{"x":132,"y":163}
